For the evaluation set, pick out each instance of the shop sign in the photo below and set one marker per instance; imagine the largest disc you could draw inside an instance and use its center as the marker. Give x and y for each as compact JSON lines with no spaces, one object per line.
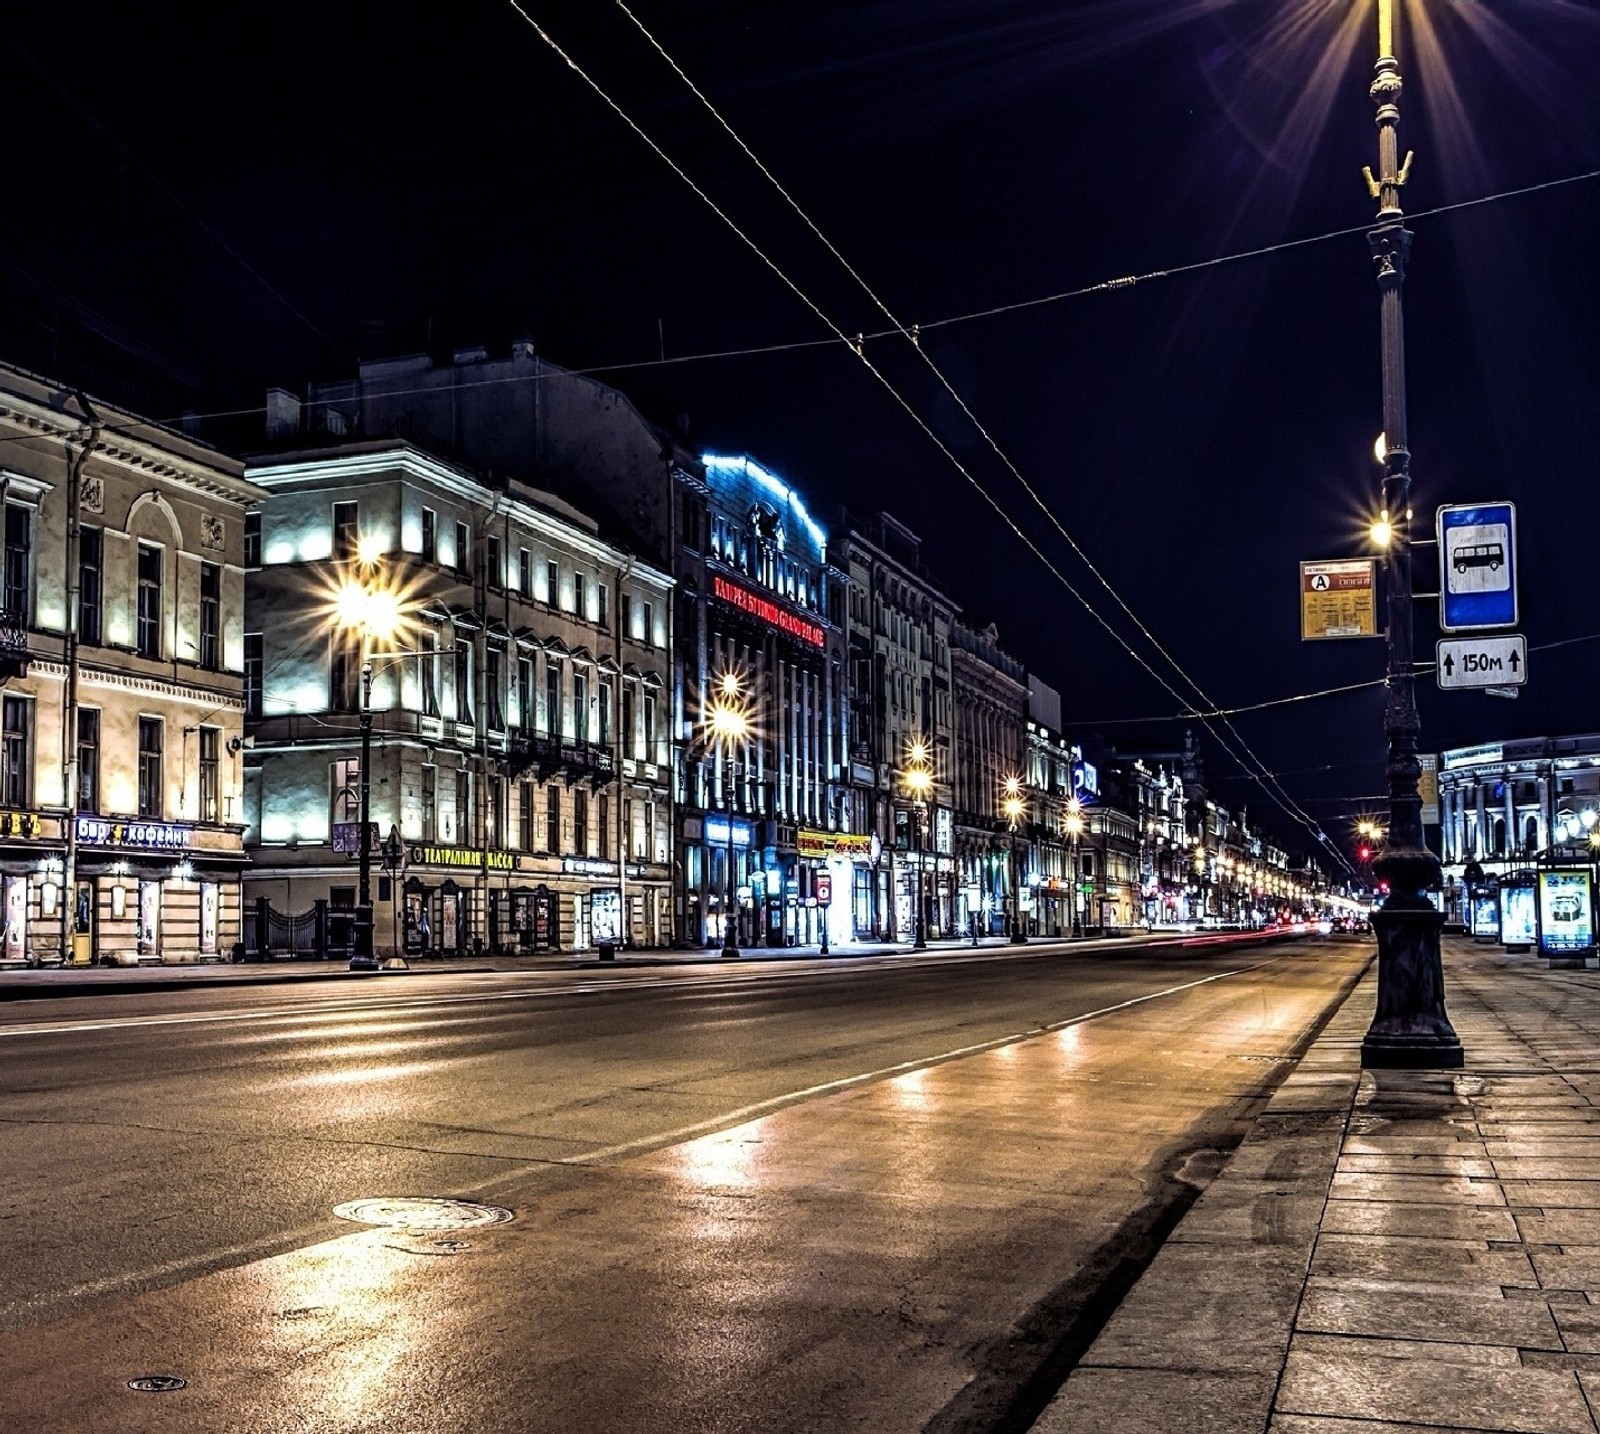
{"x":716,"y":831}
{"x":21,"y":824}
{"x":148,"y":836}
{"x":767,"y":611}
{"x":587,"y":866}
{"x":820,"y":845}
{"x":464,"y":857}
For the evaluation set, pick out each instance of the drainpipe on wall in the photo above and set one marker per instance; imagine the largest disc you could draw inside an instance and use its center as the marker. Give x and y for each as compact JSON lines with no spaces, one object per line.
{"x":76,"y":462}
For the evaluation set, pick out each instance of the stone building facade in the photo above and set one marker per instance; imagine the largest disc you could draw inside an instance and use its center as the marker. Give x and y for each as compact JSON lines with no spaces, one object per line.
{"x":122,"y":652}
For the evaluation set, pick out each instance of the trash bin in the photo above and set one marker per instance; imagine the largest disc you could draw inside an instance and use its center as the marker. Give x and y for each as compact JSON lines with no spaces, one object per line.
{"x":238,"y":952}
{"x":606,"y":950}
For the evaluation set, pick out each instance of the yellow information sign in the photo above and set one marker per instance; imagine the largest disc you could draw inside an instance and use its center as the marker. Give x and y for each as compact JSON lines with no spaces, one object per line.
{"x":1338,"y":599}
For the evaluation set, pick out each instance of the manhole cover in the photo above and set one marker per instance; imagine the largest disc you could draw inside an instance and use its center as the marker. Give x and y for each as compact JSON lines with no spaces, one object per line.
{"x":157,"y":1383}
{"x":422,"y":1213}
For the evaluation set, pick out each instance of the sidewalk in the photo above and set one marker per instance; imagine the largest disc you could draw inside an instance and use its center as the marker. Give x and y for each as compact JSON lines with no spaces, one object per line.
{"x":1387,"y":1250}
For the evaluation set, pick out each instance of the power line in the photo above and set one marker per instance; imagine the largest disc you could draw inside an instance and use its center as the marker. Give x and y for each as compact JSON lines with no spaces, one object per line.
{"x":1282,"y":797}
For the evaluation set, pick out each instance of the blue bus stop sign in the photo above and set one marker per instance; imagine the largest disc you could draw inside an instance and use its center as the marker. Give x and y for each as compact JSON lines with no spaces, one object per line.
{"x":1477,"y":566}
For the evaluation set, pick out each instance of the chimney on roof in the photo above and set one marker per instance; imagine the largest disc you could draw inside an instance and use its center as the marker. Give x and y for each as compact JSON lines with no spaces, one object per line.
{"x":283,"y":414}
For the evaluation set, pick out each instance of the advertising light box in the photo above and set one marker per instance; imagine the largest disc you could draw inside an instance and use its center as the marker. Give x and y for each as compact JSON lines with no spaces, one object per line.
{"x":1565,"y":917}
{"x":1519,"y":920}
{"x":1486,"y":914}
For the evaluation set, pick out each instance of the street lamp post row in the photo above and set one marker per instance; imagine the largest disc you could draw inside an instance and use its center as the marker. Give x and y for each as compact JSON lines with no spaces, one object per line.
{"x":917,"y":778}
{"x":1014,"y":807}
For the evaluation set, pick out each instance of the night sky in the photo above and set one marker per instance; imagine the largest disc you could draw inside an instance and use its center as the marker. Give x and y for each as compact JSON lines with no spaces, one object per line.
{"x":266,"y":193}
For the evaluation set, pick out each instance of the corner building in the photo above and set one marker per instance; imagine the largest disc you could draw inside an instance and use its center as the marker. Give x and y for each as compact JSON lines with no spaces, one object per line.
{"x":121,"y":810}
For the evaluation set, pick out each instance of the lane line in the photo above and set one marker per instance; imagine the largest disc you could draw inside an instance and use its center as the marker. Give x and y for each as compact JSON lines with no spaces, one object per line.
{"x":732,"y":1118}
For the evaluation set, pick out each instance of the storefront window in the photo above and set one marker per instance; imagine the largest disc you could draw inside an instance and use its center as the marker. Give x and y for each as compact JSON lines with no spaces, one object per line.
{"x":149,"y":917}
{"x":209,"y":894}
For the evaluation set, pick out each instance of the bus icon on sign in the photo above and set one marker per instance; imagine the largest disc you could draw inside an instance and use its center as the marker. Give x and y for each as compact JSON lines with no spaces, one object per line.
{"x":1481,"y":555}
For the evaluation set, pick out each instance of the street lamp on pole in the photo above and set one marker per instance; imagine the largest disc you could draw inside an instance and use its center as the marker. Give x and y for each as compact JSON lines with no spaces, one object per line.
{"x":1073,"y":821}
{"x":727,"y":727}
{"x":1014,"y":807}
{"x":917,"y":778}
{"x":1410,"y":1027}
{"x":374,"y":610}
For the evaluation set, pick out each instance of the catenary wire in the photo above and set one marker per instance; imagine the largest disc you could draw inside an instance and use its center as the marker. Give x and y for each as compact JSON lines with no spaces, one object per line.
{"x":1283,"y":799}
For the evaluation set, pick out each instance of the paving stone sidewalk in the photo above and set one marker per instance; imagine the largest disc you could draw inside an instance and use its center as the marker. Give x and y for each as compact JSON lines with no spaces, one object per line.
{"x":1388,"y":1250}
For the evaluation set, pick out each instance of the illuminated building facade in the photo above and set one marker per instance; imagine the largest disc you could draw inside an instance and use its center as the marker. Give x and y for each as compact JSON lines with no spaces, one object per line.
{"x":520,"y":773}
{"x":991,"y":692}
{"x":898,"y":638}
{"x":1049,"y":873}
{"x":122,"y":702}
{"x":758,"y":601}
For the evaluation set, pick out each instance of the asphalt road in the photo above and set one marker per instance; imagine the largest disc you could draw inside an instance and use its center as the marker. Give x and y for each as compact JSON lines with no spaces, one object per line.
{"x":885,"y":1194}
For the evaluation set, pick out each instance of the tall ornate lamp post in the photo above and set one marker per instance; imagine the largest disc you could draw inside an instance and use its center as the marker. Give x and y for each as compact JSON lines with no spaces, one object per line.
{"x":1410,"y":1027}
{"x":917,"y":778}
{"x":1014,"y":807}
{"x":1073,"y":821}
{"x":727,"y":727}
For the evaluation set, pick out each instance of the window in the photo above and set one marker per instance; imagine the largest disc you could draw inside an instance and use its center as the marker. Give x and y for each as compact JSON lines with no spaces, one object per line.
{"x":346,"y":534}
{"x":344,"y":790}
{"x":91,"y":590}
{"x":649,"y":625}
{"x":495,"y":713}
{"x":344,"y":671}
{"x":430,"y":536}
{"x":552,"y":583}
{"x":630,"y":747}
{"x":602,"y":595}
{"x":463,"y":676}
{"x":88,"y":759}
{"x":604,"y":735}
{"x":463,"y":809}
{"x":210,"y":786}
{"x":19,"y":563}
{"x":552,"y":819}
{"x":430,"y":804}
{"x":491,"y":558}
{"x":210,"y":616}
{"x":428,"y":674}
{"x":625,"y":604}
{"x":649,"y":852}
{"x":525,"y":693}
{"x":649,"y":726}
{"x":463,"y":550}
{"x":625,"y":846}
{"x":580,"y":706}
{"x":254,"y":672}
{"x":603,"y":824}
{"x":525,"y":817}
{"x":150,"y":793}
{"x":580,"y":822}
{"x":16,"y":768}
{"x":494,"y":793}
{"x":525,"y":574}
{"x":552,"y":697}
{"x":149,"y":635}
{"x":252,"y":540}
{"x":580,"y":596}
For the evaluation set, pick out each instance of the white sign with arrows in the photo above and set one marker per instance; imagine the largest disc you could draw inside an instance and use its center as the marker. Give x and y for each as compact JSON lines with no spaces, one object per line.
{"x":1483,"y":661}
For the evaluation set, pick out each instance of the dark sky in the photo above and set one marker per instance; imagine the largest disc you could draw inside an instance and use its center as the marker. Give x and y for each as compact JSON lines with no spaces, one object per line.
{"x":266,"y":193}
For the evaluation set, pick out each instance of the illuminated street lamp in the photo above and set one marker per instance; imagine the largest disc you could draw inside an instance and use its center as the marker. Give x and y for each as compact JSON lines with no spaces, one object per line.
{"x":1073,"y":821}
{"x":1013,"y":805}
{"x":1410,"y":1027}
{"x":366,"y":604}
{"x":727,"y":727}
{"x":917,"y":778}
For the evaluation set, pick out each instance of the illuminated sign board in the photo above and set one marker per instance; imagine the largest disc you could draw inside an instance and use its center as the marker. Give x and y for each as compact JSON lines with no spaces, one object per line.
{"x":1518,"y":916}
{"x":1486,"y":914}
{"x":1338,"y":599}
{"x":768,"y":611}
{"x":148,"y":836}
{"x":463,"y":856}
{"x":816,"y":844}
{"x":717,"y":831}
{"x":1566,"y":917}
{"x":23,"y":824}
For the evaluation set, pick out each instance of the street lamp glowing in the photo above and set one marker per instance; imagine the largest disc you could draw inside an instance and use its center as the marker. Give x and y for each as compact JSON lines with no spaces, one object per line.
{"x":376,"y":609}
{"x":369,"y":548}
{"x":1382,"y":530}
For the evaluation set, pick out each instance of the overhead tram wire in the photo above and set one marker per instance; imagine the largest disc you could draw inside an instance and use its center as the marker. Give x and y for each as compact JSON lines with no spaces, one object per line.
{"x":853,"y":344}
{"x":872,"y":336}
{"x":1282,"y":799}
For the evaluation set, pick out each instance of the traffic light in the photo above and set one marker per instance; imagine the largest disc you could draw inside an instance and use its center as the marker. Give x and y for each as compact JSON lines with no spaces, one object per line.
{"x":1364,"y":852}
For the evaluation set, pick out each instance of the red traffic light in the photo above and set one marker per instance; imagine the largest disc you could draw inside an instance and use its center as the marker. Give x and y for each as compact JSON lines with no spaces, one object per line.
{"x":1364,"y":852}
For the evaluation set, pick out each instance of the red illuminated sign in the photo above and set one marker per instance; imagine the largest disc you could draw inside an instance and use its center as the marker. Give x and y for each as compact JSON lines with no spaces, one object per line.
{"x":769,"y":612}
